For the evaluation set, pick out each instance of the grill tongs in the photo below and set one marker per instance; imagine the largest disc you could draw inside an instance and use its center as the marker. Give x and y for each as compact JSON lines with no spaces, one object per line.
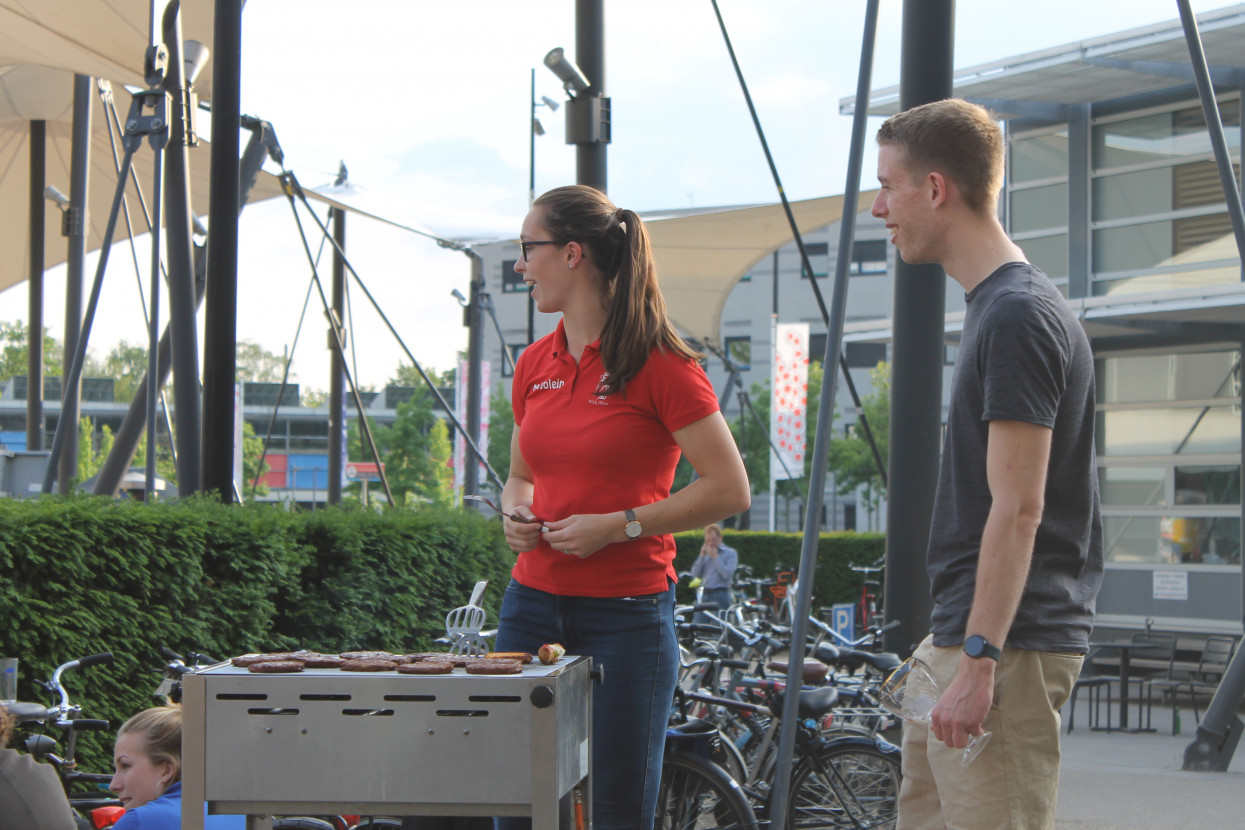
{"x":463,"y":624}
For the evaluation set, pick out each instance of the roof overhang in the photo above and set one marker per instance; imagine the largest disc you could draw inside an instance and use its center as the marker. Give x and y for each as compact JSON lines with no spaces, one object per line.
{"x":1150,"y":60}
{"x":1190,"y":318}
{"x":701,"y":257}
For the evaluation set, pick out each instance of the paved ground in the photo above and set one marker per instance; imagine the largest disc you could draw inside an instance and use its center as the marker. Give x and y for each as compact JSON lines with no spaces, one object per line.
{"x":1134,"y":781}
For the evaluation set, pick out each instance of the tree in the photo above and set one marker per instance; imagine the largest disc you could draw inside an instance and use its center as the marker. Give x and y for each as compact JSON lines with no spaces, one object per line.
{"x":93,"y":448}
{"x":500,"y":432}
{"x":851,"y":458}
{"x":258,"y":365}
{"x":415,"y":449}
{"x":126,"y":364}
{"x":753,"y":438}
{"x":252,"y":452}
{"x":14,"y":354}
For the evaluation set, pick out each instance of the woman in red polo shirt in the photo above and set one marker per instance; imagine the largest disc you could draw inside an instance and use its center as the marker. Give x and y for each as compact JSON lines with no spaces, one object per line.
{"x":603,"y":408}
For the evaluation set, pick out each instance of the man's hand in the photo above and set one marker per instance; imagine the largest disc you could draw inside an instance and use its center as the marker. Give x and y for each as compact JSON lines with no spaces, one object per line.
{"x":963,"y":705}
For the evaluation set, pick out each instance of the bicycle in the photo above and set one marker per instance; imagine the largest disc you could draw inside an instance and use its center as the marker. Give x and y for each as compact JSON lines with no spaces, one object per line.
{"x":695,"y":792}
{"x":847,"y":780}
{"x":103,"y":809}
{"x":868,"y":610}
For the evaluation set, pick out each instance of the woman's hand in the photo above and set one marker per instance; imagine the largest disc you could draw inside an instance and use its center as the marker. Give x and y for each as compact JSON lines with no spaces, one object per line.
{"x":521,"y":536}
{"x":584,"y":534}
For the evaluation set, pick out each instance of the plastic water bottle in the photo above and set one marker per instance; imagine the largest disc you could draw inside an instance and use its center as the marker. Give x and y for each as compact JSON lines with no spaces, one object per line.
{"x":1176,"y":721}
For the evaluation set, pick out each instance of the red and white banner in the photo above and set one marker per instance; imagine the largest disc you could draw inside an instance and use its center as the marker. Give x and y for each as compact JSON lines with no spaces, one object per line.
{"x":789,"y":400}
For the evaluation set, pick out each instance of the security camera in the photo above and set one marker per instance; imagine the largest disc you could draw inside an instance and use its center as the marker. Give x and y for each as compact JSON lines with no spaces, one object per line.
{"x":54,"y":195}
{"x":572,"y":78}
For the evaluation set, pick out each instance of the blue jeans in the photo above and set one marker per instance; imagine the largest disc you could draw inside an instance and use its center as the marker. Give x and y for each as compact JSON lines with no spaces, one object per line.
{"x":633,"y":639}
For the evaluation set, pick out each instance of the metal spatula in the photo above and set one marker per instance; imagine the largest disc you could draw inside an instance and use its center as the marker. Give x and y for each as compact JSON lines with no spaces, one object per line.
{"x":463,"y":624}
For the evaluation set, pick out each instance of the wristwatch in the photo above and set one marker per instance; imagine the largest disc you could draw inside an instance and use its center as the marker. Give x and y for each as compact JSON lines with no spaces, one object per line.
{"x":633,"y":529}
{"x":978,"y":646}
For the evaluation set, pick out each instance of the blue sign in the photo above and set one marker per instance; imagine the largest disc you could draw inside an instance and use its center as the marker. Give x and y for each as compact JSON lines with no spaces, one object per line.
{"x":843,"y":619}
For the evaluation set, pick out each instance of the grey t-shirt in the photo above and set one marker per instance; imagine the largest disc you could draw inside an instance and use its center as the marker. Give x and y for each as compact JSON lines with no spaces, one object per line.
{"x":1023,"y":357}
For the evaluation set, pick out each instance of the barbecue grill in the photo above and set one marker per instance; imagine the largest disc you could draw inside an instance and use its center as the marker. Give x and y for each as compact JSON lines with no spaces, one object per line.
{"x":324,"y":741}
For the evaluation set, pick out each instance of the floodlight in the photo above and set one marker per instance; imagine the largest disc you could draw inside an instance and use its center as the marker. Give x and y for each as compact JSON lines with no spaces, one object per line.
{"x":194,"y":58}
{"x":537,"y":127}
{"x":550,"y":103}
{"x":573,"y":80}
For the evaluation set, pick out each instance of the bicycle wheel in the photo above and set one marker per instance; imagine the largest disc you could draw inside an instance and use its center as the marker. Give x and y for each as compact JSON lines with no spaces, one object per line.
{"x":697,"y":794}
{"x":852,"y":785}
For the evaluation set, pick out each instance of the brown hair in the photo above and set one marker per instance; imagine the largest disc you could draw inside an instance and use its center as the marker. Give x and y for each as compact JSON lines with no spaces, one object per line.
{"x":958,"y":139}
{"x":616,"y":241}
{"x":161,"y":727}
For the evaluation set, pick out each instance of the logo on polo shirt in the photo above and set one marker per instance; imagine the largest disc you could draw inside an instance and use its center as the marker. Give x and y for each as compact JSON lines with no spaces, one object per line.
{"x":599,"y":398}
{"x":548,"y":383}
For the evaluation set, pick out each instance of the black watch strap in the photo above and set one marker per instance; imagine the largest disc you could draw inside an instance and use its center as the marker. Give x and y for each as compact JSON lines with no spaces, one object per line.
{"x":978,"y":646}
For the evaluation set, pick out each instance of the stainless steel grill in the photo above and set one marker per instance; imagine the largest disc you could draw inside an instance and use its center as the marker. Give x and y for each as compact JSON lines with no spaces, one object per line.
{"x":324,"y":741}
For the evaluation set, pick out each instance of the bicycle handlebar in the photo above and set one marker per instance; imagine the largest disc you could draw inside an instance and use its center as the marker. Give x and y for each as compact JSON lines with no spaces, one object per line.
{"x":63,"y":709}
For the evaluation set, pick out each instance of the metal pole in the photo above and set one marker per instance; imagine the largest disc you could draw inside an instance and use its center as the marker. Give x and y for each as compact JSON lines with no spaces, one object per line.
{"x":125,"y":441}
{"x":337,"y":398}
{"x":179,"y":233}
{"x":34,"y":339}
{"x":75,"y":266}
{"x":220,"y":326}
{"x":590,"y":160}
{"x":475,"y":351}
{"x":531,"y":197}
{"x":780,"y":792}
{"x":917,"y":356}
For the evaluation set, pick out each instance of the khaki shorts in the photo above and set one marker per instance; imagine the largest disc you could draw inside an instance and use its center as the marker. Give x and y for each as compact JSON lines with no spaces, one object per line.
{"x":1013,"y":782}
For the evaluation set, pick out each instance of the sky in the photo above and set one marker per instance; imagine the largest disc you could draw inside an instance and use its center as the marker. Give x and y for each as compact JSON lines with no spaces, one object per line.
{"x":428,"y":106}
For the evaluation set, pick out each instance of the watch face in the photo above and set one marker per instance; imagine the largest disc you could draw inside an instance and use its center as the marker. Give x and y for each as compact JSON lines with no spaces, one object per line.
{"x":633,"y":529}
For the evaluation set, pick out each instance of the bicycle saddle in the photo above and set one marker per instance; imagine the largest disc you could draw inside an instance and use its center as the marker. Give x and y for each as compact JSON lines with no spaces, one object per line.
{"x":815,"y":671}
{"x":814,"y":703}
{"x":884,"y":662}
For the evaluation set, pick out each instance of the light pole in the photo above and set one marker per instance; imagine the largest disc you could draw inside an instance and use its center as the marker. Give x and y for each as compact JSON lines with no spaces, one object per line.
{"x":535,"y":129}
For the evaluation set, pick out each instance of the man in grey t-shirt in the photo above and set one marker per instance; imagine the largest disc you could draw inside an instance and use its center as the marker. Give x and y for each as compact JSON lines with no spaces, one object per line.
{"x":1015,"y":554}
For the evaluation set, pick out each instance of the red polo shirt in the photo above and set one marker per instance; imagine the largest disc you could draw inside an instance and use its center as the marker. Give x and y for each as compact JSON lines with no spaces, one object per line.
{"x":590,"y":453}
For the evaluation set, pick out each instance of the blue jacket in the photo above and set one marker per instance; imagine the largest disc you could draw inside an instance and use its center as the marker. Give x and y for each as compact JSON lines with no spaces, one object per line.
{"x":165,"y":813}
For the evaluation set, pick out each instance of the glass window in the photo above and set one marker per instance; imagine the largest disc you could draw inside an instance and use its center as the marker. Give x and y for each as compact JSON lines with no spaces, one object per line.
{"x":1039,"y":207}
{"x":864,"y":355}
{"x":739,"y":349}
{"x":1161,"y":136}
{"x":1132,"y":247}
{"x":1192,"y":431}
{"x":511,"y":282}
{"x":1208,"y":485}
{"x":868,"y":257}
{"x":1172,"y":539}
{"x":1050,"y":253}
{"x":1214,"y":540}
{"x":1169,"y":377}
{"x":1132,"y":486}
{"x":1039,"y":157}
{"x":818,"y":259}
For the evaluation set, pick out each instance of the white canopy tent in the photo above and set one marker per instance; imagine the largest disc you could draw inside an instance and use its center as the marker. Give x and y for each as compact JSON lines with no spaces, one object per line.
{"x":30,"y":92}
{"x":100,"y":38}
{"x":700,"y":255}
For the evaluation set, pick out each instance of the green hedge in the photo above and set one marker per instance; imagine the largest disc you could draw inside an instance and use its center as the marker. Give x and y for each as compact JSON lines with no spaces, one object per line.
{"x":82,"y":575}
{"x":770,"y":553}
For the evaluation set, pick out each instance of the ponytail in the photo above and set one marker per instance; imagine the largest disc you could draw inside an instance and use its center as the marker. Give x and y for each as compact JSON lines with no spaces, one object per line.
{"x":618,"y":244}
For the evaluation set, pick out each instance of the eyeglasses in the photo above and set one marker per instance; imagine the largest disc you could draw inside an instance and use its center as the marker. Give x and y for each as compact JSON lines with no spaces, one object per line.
{"x":523,"y":246}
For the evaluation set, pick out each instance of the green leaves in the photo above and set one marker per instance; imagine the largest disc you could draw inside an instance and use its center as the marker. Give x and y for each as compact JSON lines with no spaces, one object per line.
{"x":84,"y":574}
